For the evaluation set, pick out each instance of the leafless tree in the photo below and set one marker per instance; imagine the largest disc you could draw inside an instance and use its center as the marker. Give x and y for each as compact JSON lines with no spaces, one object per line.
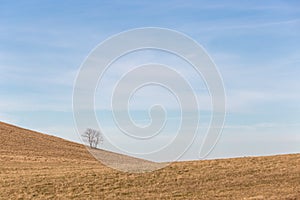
{"x":92,"y":137}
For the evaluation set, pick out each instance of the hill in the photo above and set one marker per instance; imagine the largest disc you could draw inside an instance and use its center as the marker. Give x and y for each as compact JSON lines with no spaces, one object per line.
{"x":22,"y":144}
{"x":39,"y":166}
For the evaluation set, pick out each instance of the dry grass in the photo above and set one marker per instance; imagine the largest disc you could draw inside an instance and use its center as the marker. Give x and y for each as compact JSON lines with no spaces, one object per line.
{"x":38,"y":166}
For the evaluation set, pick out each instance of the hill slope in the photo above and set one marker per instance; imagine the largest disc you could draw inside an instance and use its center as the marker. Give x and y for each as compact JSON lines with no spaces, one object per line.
{"x":38,"y":166}
{"x":17,"y":141}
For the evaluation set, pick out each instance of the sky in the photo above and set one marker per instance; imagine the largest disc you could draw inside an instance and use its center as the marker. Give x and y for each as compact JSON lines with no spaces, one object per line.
{"x":254,"y":44}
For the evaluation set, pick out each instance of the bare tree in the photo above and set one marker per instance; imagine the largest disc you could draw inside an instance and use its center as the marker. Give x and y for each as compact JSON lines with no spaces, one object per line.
{"x":93,"y":137}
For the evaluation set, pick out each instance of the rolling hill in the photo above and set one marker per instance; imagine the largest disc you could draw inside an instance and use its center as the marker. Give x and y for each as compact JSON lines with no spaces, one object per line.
{"x":39,"y":166}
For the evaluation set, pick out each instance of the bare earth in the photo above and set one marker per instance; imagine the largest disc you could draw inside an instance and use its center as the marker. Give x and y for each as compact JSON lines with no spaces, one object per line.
{"x":38,"y":166}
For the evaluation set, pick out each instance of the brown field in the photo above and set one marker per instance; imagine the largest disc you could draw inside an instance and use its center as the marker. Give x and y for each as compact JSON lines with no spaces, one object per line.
{"x":38,"y":166}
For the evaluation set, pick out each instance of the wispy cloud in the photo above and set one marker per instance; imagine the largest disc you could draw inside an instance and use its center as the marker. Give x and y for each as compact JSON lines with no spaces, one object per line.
{"x":254,"y":44}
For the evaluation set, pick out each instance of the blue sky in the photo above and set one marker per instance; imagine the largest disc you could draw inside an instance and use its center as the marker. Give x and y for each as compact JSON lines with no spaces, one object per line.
{"x":255,"y":45}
